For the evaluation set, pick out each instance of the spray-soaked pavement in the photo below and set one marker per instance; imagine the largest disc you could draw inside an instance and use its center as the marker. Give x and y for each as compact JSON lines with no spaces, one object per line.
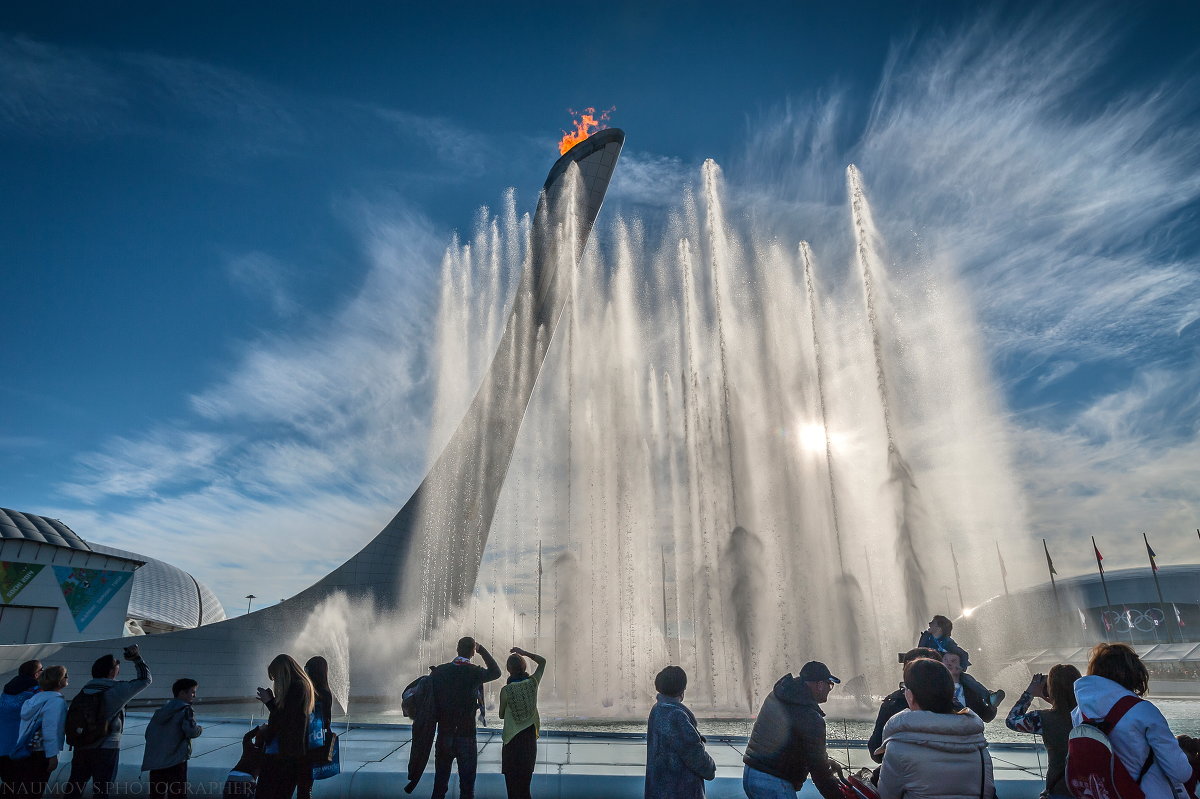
{"x":581,"y":764}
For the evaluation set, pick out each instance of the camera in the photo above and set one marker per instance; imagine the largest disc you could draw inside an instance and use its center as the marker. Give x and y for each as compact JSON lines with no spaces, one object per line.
{"x":131,"y":651}
{"x":900,"y":657}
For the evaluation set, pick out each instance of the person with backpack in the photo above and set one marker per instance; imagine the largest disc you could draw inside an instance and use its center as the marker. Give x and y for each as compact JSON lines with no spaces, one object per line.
{"x":1054,"y":725}
{"x":1120,"y":740}
{"x":95,"y":719}
{"x":455,"y":695}
{"x":934,"y":750}
{"x":18,"y":690}
{"x":522,"y":725}
{"x":169,"y":741}
{"x":43,"y":724}
{"x":286,"y":742}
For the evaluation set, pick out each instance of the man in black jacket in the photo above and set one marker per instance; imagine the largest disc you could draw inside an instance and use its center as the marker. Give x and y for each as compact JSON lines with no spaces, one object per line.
{"x":894,"y":702}
{"x":787,"y":744}
{"x":968,"y":691}
{"x":455,"y":688}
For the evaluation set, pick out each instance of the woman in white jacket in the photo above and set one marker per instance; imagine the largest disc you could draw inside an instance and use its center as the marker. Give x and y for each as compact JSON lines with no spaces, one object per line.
{"x":1115,"y":671}
{"x":931,"y":751}
{"x":43,"y":728}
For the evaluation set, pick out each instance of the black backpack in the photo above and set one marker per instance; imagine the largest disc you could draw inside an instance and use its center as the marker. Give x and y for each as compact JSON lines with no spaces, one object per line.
{"x":87,"y":723}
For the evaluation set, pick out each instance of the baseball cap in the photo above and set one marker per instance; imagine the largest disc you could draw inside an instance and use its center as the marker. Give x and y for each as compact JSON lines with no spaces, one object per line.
{"x":816,"y":671}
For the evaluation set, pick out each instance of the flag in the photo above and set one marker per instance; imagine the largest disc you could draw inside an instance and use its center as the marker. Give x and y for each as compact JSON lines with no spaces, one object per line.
{"x":1150,"y":552}
{"x":1099,"y":557}
{"x":1049,"y":563}
{"x":1107,"y":623}
{"x":1178,"y":617}
{"x":1003,"y":571}
{"x":1129,"y":617}
{"x":1082,"y":618}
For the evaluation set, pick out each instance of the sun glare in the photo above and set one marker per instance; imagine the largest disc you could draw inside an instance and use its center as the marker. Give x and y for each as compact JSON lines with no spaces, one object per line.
{"x":811,"y":437}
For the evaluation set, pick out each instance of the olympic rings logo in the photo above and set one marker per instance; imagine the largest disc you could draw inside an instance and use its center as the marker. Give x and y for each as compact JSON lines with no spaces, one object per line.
{"x":1141,"y":620}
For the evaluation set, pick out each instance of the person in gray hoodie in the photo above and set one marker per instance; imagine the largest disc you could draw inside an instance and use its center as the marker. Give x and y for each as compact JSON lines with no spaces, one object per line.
{"x":169,"y":741}
{"x":98,"y":761}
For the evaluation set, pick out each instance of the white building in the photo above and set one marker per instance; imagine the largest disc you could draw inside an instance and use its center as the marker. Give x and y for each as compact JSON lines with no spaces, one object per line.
{"x":56,"y":587}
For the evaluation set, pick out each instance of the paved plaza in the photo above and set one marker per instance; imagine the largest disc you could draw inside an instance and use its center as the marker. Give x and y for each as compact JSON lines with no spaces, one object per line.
{"x":599,"y":765}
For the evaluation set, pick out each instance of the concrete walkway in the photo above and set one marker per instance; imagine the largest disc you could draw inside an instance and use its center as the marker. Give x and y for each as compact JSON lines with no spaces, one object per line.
{"x":599,"y":765}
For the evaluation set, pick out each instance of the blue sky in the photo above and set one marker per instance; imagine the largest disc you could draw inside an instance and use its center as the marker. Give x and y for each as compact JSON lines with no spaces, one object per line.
{"x":205,"y":203}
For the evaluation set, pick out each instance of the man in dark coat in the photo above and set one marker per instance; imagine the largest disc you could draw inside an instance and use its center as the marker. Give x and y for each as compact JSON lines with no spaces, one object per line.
{"x":894,"y":702}
{"x":787,"y":744}
{"x":968,"y":691}
{"x":455,"y":694}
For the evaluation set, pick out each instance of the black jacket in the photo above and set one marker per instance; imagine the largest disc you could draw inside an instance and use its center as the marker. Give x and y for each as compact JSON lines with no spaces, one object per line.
{"x":976,"y":696}
{"x":454,"y":687}
{"x":288,"y":725}
{"x":892,"y":704}
{"x":788,"y":739}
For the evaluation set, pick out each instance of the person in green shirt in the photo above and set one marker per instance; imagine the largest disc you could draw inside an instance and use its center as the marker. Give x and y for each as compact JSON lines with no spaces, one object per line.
{"x":518,"y":708}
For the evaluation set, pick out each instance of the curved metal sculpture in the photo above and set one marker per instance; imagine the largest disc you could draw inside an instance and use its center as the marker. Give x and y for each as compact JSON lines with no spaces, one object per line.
{"x":449,"y":515}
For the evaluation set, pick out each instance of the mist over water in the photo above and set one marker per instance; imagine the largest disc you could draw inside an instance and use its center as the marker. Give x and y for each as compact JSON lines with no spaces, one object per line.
{"x":744,"y":451}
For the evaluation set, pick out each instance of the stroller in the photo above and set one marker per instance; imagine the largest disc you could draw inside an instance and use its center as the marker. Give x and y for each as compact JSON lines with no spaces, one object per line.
{"x":854,"y":784}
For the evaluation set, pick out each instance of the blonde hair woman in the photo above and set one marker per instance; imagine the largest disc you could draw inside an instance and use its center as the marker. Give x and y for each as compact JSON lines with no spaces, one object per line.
{"x":289,"y":704}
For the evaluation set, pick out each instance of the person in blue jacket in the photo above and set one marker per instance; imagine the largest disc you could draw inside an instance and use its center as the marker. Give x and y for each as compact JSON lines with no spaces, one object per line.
{"x":18,"y":690}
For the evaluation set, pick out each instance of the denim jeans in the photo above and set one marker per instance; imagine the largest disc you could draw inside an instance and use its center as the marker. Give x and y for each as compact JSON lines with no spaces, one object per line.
{"x":760,"y":785}
{"x":465,"y":751}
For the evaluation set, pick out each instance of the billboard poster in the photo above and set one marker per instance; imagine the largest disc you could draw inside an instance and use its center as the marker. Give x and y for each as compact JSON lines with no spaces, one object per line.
{"x":14,"y":577}
{"x":87,"y":591}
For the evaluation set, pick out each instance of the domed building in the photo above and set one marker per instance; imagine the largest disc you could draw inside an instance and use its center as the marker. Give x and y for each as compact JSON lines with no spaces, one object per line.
{"x":1048,"y":624}
{"x":57,"y":587}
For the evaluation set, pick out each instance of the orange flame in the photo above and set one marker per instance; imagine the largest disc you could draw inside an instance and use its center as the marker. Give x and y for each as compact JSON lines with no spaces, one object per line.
{"x":587,"y":124}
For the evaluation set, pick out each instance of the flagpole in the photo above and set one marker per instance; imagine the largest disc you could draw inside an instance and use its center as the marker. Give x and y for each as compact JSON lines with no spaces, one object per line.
{"x":1053,"y":584}
{"x":1003,"y":571}
{"x":537,"y":635}
{"x":666,"y":630}
{"x":1157,"y":586}
{"x":1103,"y":582}
{"x":957,"y":581}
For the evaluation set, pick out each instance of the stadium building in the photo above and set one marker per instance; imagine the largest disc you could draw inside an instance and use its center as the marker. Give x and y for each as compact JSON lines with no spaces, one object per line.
{"x":1060,"y":622}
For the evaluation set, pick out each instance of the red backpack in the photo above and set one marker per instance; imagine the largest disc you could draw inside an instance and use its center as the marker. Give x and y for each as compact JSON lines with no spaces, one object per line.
{"x":1093,"y":769}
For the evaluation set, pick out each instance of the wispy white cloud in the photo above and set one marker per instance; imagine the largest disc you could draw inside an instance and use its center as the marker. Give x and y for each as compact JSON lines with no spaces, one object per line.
{"x":165,"y":458}
{"x":467,"y":150}
{"x":314,"y":437}
{"x":648,"y":179}
{"x":261,"y":275}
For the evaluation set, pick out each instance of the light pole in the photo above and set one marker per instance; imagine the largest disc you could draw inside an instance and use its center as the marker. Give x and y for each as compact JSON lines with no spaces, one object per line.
{"x":249,"y":598}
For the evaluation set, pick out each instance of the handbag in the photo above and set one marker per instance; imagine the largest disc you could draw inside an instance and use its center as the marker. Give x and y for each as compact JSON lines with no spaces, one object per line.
{"x":333,"y":766}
